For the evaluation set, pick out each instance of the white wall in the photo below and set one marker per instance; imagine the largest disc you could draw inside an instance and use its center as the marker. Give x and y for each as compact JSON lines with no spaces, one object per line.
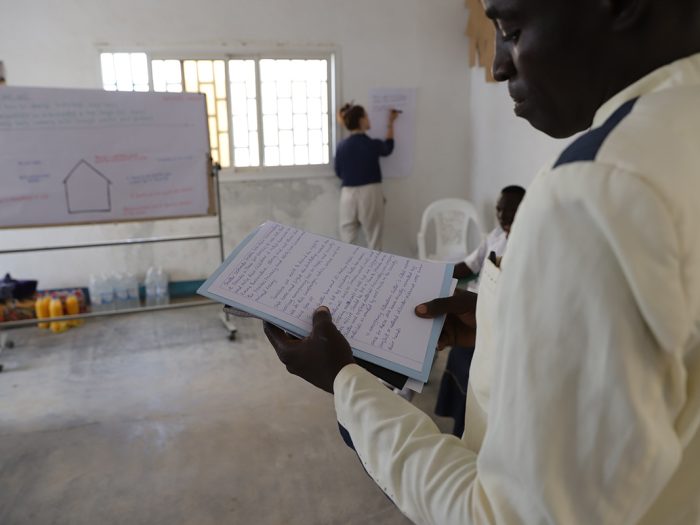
{"x":504,"y":150}
{"x":380,"y":43}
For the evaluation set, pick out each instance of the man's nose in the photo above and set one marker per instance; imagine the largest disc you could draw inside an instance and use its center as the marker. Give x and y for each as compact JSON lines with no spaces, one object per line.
{"x":502,"y":68}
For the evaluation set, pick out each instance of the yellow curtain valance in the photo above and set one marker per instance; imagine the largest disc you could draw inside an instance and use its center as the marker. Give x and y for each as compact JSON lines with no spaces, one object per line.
{"x":481,"y":33}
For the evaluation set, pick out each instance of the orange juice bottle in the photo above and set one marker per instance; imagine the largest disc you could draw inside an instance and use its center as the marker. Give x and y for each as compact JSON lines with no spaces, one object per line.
{"x":56,"y":310}
{"x":73,"y":308}
{"x":41,"y":307}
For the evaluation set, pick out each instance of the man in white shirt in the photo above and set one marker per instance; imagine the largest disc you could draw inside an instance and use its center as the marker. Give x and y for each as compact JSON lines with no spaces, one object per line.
{"x":452,"y":394}
{"x":594,"y":399}
{"x":495,"y":241}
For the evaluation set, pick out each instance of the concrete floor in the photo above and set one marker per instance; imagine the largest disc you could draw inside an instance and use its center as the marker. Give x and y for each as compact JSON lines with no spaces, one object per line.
{"x":158,"y":418}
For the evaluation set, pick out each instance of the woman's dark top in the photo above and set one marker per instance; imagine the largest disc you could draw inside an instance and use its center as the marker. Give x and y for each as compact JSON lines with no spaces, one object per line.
{"x":357,"y":159}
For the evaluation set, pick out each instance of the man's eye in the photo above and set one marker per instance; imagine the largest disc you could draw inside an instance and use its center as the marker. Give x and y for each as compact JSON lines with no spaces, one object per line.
{"x":511,"y":36}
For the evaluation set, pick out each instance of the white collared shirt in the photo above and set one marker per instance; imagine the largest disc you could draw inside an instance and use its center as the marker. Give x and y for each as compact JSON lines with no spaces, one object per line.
{"x":594,"y":408}
{"x":495,"y":241}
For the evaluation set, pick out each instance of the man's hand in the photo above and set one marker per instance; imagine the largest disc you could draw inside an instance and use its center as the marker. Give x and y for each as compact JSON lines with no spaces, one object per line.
{"x":462,"y":271}
{"x":317,"y":358}
{"x":460,"y":325}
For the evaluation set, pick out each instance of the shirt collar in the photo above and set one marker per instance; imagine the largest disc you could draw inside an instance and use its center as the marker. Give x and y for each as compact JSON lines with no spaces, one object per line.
{"x":683,"y":72}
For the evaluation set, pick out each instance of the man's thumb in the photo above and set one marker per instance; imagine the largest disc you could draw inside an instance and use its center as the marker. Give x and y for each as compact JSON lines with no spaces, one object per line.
{"x":431,"y":309}
{"x":322,"y":315}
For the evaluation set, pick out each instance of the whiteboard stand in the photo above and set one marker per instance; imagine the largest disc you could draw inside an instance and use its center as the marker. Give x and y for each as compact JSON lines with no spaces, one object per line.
{"x":6,"y":342}
{"x":224,"y":316}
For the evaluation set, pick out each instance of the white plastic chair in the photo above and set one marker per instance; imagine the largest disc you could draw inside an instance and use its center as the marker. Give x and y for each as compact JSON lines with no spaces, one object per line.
{"x":457,"y":231}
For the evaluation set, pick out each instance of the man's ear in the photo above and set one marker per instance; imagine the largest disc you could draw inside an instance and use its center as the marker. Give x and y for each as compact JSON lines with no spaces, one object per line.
{"x":625,"y":14}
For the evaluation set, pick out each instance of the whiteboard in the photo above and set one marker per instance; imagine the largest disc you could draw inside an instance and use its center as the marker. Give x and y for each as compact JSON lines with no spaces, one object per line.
{"x":71,"y":156}
{"x":381,"y":101}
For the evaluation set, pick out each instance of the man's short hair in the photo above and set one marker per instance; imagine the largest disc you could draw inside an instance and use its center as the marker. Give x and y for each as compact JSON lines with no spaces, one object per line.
{"x":515,"y":190}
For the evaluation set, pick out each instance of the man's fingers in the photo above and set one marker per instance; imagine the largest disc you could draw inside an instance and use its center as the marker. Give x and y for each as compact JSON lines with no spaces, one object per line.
{"x":281,"y":341}
{"x":457,"y":304}
{"x":435,"y":308}
{"x":323,"y":326}
{"x":276,"y":335}
{"x":447,"y":335}
{"x":321,"y":319}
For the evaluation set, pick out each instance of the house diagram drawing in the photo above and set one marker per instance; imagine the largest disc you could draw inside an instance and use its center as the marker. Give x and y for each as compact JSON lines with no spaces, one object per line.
{"x":87,"y":190}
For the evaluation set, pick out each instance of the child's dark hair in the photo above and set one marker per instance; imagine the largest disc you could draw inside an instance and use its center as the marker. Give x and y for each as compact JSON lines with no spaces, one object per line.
{"x":352,"y":114}
{"x":514,"y":190}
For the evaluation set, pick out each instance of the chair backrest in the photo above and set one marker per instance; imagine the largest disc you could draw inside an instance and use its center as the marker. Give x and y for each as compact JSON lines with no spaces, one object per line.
{"x":457,"y":230}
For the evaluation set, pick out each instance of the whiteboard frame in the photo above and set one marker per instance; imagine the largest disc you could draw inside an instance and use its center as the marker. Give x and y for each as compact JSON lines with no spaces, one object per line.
{"x":212,"y":192}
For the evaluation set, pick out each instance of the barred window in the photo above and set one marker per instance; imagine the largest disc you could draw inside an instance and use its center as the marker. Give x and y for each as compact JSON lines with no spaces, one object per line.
{"x":262,"y":111}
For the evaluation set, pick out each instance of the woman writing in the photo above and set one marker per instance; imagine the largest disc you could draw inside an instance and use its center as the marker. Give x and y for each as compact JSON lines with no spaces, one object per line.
{"x":357,"y":165}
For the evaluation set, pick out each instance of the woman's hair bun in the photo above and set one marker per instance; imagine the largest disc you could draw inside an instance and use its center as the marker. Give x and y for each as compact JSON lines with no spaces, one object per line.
{"x":351,"y":114}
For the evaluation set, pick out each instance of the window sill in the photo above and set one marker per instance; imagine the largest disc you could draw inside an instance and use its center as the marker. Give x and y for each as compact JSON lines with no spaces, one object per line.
{"x":275,"y":174}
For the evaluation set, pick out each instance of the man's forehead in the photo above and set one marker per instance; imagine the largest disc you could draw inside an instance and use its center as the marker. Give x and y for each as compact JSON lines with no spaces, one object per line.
{"x":502,"y":8}
{"x":512,"y":9}
{"x":510,"y":199}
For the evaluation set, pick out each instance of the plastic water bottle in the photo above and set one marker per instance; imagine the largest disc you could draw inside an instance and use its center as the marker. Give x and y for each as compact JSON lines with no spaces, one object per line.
{"x":94,"y":289}
{"x":132,"y":287}
{"x":106,"y":291}
{"x":151,"y":286}
{"x":121,"y":291}
{"x":156,"y":287}
{"x":162,"y":294}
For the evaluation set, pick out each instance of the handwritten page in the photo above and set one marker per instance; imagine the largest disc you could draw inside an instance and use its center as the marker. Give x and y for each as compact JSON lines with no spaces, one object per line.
{"x":283,"y":274}
{"x":381,"y":102}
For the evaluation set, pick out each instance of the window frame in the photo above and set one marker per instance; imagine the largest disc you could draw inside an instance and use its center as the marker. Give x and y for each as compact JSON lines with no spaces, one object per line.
{"x":261,"y":172}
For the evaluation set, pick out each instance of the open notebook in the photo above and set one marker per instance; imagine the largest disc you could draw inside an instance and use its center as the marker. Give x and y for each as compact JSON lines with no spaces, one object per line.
{"x":281,"y":274}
